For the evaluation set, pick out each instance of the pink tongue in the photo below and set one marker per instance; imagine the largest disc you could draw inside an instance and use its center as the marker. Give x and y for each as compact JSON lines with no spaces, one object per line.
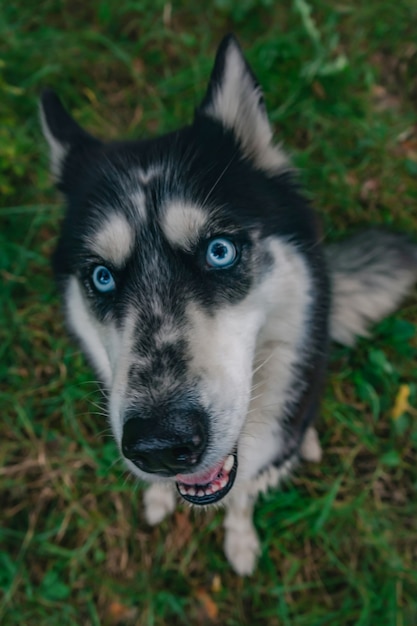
{"x":200,"y":479}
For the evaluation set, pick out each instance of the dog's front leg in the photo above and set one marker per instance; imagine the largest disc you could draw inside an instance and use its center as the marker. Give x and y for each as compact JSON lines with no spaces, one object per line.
{"x":159,"y":501}
{"x":241,"y":543}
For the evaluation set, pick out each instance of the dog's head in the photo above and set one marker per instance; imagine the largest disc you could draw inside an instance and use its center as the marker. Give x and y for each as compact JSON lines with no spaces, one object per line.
{"x":177,"y":261}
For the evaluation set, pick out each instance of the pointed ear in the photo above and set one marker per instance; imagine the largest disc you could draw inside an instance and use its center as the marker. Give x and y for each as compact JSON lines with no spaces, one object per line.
{"x":62,"y":133}
{"x":235,"y":99}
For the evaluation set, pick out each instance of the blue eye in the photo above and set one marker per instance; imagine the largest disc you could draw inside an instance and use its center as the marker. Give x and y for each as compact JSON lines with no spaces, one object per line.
{"x":103,"y":280}
{"x":221,"y":253}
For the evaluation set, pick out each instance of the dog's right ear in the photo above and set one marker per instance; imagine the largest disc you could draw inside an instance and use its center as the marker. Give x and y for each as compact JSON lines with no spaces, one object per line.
{"x":63,"y":135}
{"x":234,"y":98}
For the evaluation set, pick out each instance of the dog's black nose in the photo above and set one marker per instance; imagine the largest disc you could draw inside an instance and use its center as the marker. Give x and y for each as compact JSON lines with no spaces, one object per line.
{"x":165,"y":446}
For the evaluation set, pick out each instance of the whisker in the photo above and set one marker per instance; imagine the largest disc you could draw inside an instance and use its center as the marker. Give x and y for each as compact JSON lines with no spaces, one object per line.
{"x":88,"y":413}
{"x":256,"y":397}
{"x":263,"y":363}
{"x":219,"y":178}
{"x":259,"y":384}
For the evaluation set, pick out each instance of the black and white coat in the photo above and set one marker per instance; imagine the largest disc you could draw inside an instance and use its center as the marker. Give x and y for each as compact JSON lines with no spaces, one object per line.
{"x":212,"y":373}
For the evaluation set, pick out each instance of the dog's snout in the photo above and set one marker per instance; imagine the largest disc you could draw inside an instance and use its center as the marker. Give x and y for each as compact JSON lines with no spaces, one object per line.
{"x":165,"y":446}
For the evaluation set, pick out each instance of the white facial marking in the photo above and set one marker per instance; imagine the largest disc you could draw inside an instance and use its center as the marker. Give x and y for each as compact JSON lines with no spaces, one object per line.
{"x":121,"y":371}
{"x":245,"y":357}
{"x":222,"y":346}
{"x":167,"y":334}
{"x":114,"y":241}
{"x":281,"y":346}
{"x":91,"y":333}
{"x":145,"y":176}
{"x":137,"y":198}
{"x":236,"y":105}
{"x":109,"y":349}
{"x":182,"y":224}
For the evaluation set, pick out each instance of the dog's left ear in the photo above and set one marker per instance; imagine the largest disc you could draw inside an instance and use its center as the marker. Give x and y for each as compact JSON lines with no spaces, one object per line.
{"x":235,"y":99}
{"x":70,"y":145}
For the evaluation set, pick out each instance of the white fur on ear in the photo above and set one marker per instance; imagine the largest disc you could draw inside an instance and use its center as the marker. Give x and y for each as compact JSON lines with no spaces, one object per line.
{"x":57,"y":150}
{"x":235,"y":99}
{"x":63,"y":134}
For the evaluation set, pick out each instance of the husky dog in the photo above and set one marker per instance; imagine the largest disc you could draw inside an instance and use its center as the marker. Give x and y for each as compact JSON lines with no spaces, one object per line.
{"x":194,"y":277}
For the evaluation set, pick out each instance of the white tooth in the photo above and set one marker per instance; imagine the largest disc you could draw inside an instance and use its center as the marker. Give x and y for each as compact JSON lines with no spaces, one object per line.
{"x":209,"y":491}
{"x":191,"y":491}
{"x":182,"y":489}
{"x":229,"y":462}
{"x":223,"y":483}
{"x":200,"y":492}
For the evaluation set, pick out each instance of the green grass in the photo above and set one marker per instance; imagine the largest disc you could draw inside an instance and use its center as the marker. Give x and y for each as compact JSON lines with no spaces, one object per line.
{"x":339,"y":543}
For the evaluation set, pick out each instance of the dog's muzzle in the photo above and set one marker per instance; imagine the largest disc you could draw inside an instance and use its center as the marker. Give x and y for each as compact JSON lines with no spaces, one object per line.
{"x":173,"y":446}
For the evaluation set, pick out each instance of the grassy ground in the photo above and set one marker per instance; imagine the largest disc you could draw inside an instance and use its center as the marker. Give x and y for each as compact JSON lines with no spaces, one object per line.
{"x":339,"y":544}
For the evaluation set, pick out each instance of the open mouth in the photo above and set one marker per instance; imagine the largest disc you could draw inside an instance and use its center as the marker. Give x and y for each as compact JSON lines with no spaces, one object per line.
{"x":210,"y":486}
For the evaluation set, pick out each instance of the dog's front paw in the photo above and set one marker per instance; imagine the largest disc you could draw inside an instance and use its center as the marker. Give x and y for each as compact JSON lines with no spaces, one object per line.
{"x":159,"y":501}
{"x":241,"y":546}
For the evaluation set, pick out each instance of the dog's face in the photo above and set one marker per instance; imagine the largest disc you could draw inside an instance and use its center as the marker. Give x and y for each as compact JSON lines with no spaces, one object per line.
{"x":175,"y":255}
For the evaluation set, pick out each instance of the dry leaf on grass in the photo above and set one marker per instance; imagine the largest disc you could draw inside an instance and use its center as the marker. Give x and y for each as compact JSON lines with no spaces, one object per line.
{"x":210,"y":607}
